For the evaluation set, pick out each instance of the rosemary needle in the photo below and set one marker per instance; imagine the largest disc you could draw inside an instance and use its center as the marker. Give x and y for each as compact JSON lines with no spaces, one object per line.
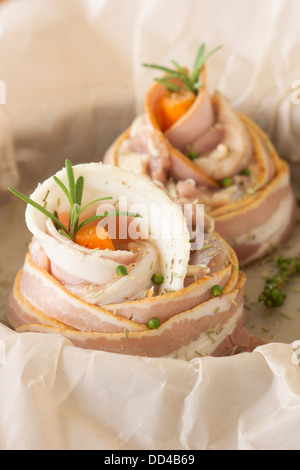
{"x":190,"y":81}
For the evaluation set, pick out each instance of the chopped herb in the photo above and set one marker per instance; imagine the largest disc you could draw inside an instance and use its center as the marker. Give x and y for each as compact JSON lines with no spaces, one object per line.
{"x":205,"y":248}
{"x":245,"y":172}
{"x":131,"y":276}
{"x":126,"y":334}
{"x":98,"y":293}
{"x":45,"y":198}
{"x":232,"y":262}
{"x":209,"y":334}
{"x":199,"y":353}
{"x":211,"y":253}
{"x":285,"y":315}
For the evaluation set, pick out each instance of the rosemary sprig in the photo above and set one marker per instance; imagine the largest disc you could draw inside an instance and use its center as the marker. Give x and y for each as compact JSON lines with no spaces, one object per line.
{"x":273,"y":294}
{"x":190,"y":82}
{"x":74,"y":195}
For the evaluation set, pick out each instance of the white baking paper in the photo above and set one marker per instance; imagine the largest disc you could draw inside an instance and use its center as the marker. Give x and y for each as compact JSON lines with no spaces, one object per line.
{"x":56,"y":396}
{"x":74,"y":82}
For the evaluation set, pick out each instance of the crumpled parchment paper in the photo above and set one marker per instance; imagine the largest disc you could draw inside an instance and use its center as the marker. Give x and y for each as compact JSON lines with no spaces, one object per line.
{"x":74,"y":81}
{"x":56,"y":396}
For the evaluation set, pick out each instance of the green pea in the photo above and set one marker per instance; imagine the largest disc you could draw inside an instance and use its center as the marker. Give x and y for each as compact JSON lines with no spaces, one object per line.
{"x":153,"y":323}
{"x":193,"y":155}
{"x":121,"y":270}
{"x":226,"y":182}
{"x":216,"y":290}
{"x":283,"y":265}
{"x":275,"y":294}
{"x":245,"y":172}
{"x":157,"y":279}
{"x":277,"y":297}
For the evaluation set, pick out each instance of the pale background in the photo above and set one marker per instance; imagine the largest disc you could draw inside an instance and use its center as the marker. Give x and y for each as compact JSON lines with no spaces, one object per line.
{"x":74,"y":81}
{"x":74,"y":78}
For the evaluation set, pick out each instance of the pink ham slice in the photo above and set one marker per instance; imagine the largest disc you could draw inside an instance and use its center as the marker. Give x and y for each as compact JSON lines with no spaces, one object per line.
{"x":235,"y":140}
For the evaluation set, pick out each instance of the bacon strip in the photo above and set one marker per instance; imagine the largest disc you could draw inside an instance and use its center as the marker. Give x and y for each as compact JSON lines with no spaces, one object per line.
{"x":193,"y":321}
{"x":213,"y":327}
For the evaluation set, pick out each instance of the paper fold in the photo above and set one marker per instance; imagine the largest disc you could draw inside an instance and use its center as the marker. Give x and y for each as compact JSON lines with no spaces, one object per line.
{"x":70,"y":398}
{"x":74,"y":81}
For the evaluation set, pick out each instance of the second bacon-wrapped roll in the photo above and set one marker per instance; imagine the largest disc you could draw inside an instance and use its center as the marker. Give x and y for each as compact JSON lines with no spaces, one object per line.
{"x":195,"y":144}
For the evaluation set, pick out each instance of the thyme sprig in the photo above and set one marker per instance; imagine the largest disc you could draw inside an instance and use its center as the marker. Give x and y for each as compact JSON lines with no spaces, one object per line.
{"x":273,"y":294}
{"x":190,"y":81}
{"x":74,"y":195}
